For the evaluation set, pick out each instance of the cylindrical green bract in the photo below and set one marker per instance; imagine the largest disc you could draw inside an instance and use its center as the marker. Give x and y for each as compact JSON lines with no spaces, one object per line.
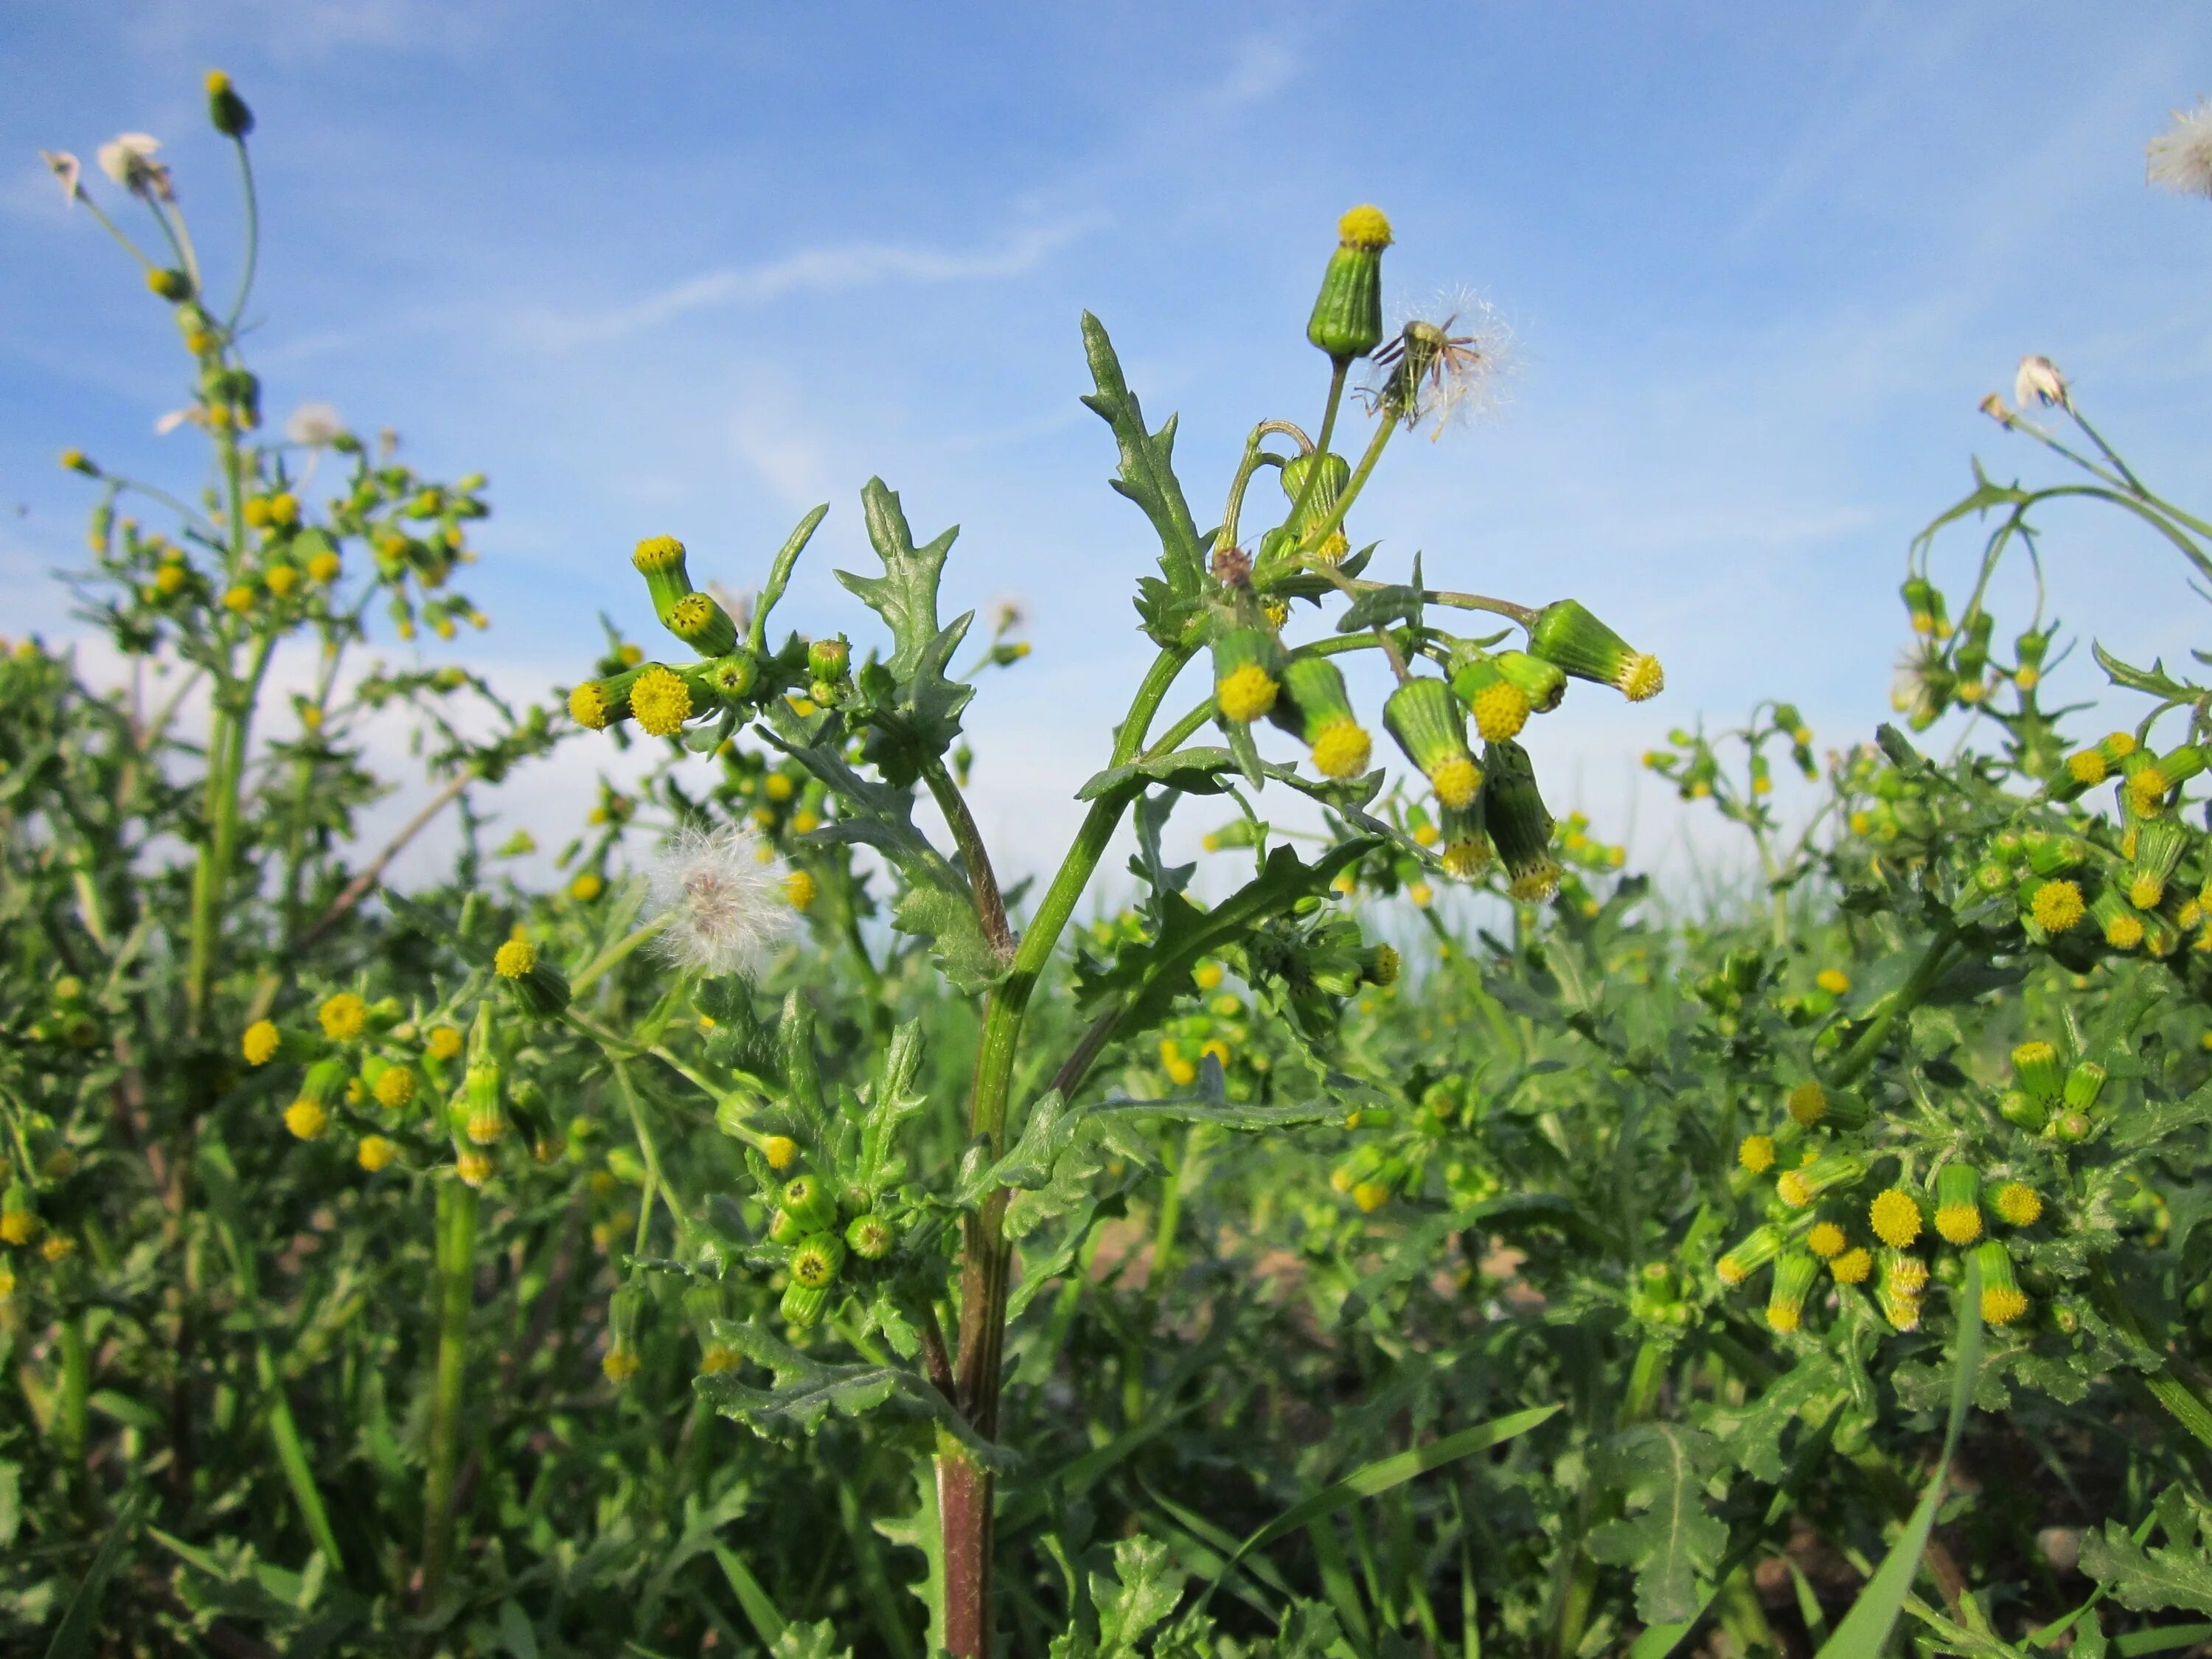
{"x":1429,"y":725}
{"x":1347,"y":314}
{"x":1520,"y":825}
{"x":1542,"y":683}
{"x":700,"y":621}
{"x":660,"y":561}
{"x":1313,"y":697}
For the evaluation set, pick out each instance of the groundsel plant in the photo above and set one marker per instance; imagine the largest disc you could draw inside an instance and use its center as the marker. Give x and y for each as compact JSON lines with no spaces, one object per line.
{"x":930,"y":1266}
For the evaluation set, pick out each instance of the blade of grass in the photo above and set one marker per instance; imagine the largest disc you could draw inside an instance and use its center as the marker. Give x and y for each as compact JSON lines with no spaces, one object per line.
{"x":73,"y":1636}
{"x":1865,"y":1629}
{"x":767,"y":1622}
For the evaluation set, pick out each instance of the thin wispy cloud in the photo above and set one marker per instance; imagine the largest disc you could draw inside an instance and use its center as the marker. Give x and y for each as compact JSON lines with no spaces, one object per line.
{"x":819,"y":271}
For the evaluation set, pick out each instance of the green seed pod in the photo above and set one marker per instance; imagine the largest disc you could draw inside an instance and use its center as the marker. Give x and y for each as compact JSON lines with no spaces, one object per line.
{"x":816,"y":1261}
{"x":1544,"y":683}
{"x":172,"y":285}
{"x":1520,"y":825}
{"x":700,"y":621}
{"x":871,"y":1238}
{"x":660,"y":560}
{"x":1316,"y":705}
{"x":1248,"y":668}
{"x":2023,"y":1110}
{"x":2002,"y":1300}
{"x":1567,"y":635}
{"x":1795,"y":1276}
{"x":2083,"y":1084}
{"x":598,"y":704}
{"x":1347,"y":314}
{"x":1431,"y":727}
{"x":1333,"y":473}
{"x":808,"y":1202}
{"x":802,"y":1304}
{"x":1751,"y":1253}
{"x":830,"y":660}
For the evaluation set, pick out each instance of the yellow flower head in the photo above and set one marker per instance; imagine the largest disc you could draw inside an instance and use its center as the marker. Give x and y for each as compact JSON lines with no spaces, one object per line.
{"x":1826,"y":1241}
{"x":1465,"y":858}
{"x":239,"y":601}
{"x":443,"y":1042}
{"x":17,"y":1226}
{"x":514,"y":959}
{"x":779,"y":786}
{"x":171,"y":577}
{"x":1246,"y":694}
{"x":1853,"y":1266}
{"x":799,"y":889}
{"x":1501,"y":709}
{"x":1959,"y":1223}
{"x":473,"y":1168}
{"x":1420,"y":893}
{"x":621,"y":1365}
{"x":306,"y":1118}
{"x":1894,"y":1215}
{"x":395,"y":1087}
{"x":2057,"y":906}
{"x":588,"y":706}
{"x":323,"y":567}
{"x":661,"y":702}
{"x":1641,"y":678}
{"x":1364,"y":227}
{"x":57,"y":1249}
{"x":1834,"y":981}
{"x":281,"y":579}
{"x":345,"y":1016}
{"x":1756,"y":1154}
{"x":2124,"y":931}
{"x":1341,"y":748}
{"x":2002,"y":1304}
{"x":1426,"y":835}
{"x":1208,"y":977}
{"x":2145,"y":889}
{"x":587,"y":886}
{"x":261,"y":1042}
{"x":374,"y":1153}
{"x":2147,"y":787}
{"x":2020,"y":1203}
{"x":1456,"y":778}
{"x":782,"y":1151}
{"x":1807,"y":1103}
{"x":1371,"y":1195}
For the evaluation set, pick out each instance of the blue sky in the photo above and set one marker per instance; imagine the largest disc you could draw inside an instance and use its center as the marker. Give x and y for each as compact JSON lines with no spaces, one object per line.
{"x":692,"y":268}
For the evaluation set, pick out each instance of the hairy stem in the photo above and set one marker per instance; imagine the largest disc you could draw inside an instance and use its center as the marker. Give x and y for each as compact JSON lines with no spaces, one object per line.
{"x":456,"y":1287}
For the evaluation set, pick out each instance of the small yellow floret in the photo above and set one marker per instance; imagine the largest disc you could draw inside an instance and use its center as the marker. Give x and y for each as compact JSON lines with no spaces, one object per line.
{"x":2020,"y":1203}
{"x":779,"y":788}
{"x":1895,"y":1218}
{"x":474,"y":1169}
{"x":1959,"y":1223}
{"x":588,"y":706}
{"x":1826,"y":1241}
{"x":1420,"y":893}
{"x":782,"y":1151}
{"x":587,"y":886}
{"x":799,"y":889}
{"x":170,"y":578}
{"x":395,"y":1087}
{"x":374,"y":1153}
{"x":217,"y":83}
{"x":658,"y":553}
{"x":1181,"y":1073}
{"x":1641,"y":677}
{"x":343,"y":1016}
{"x":1834,"y":981}
{"x":1785,"y":1316}
{"x":57,"y":1249}
{"x":323,"y":567}
{"x":1807,"y":1103}
{"x":261,"y":1042}
{"x":2057,"y":906}
{"x":2124,"y":931}
{"x":2147,"y":790}
{"x":1853,"y":1266}
{"x":1371,"y":1195}
{"x":620,"y":1366}
{"x":1456,"y":778}
{"x":1500,"y":711}
{"x":443,"y":1042}
{"x":1426,"y":835}
{"x":1208,"y":977}
{"x":1731,"y":1270}
{"x":717,"y":1357}
{"x":1217,"y":1048}
{"x":1466,"y":858}
{"x":1365,"y":226}
{"x":2145,"y":889}
{"x":238,"y":600}
{"x":1756,"y":1154}
{"x":661,"y":702}
{"x":514,"y":958}
{"x":2086,"y":767}
{"x":1246,"y":694}
{"x":1342,"y":748}
{"x":1794,"y":1190}
{"x":306,"y":1118}
{"x":17,"y":1227}
{"x":2002,"y":1304}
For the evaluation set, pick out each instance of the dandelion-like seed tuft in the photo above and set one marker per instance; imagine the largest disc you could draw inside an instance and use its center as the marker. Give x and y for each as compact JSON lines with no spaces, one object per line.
{"x":725,"y":905}
{"x":2180,"y":158}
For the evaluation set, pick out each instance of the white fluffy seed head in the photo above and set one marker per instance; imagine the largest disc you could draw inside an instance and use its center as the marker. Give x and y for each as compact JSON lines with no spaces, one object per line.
{"x":724,"y":900}
{"x":2180,"y":158}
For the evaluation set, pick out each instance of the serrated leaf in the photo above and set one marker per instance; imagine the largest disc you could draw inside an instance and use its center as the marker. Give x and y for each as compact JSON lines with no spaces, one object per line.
{"x":1147,"y":477}
{"x":1670,"y":1535}
{"x":918,"y":721}
{"x":815,"y":1641}
{"x":806,"y":1390}
{"x":2147,"y":1579}
{"x":1191,"y":771}
{"x":2153,"y":681}
{"x":1142,"y":1592}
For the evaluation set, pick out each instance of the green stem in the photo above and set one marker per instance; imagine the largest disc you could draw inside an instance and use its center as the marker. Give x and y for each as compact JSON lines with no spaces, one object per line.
{"x":990,"y":908}
{"x":252,"y":238}
{"x":1338,"y":367}
{"x":456,"y":1288}
{"x":615,"y":953}
{"x":292,"y":1458}
{"x":1321,"y":532}
{"x":1860,"y":1057}
{"x":670,"y":1199}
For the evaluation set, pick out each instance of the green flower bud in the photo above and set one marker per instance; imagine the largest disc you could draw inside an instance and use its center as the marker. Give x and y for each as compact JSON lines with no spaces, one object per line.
{"x":1316,"y":707}
{"x":2036,"y":1066}
{"x":700,"y":621}
{"x":1544,"y":683}
{"x":172,"y":285}
{"x":1567,"y":635}
{"x":809,"y":1203}
{"x":660,"y":560}
{"x":2083,"y":1084}
{"x":830,"y":658}
{"x":871,"y":1238}
{"x":2053,"y":856}
{"x":1248,"y":668}
{"x":1334,"y":472}
{"x":1347,"y":314}
{"x":598,"y":704}
{"x":802,"y":1304}
{"x":1799,"y":1187}
{"x":1520,"y":825}
{"x":1431,"y":727}
{"x":1959,"y":1204}
{"x":1500,"y":708}
{"x":734,"y":676}
{"x":784,"y":1228}
{"x":225,"y":109}
{"x":2159,"y":843}
{"x":1753,"y":1251}
{"x":1795,"y":1276}
{"x":816,"y":1261}
{"x":1920,"y":603}
{"x":2002,"y":1300}
{"x":2023,"y":1110}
